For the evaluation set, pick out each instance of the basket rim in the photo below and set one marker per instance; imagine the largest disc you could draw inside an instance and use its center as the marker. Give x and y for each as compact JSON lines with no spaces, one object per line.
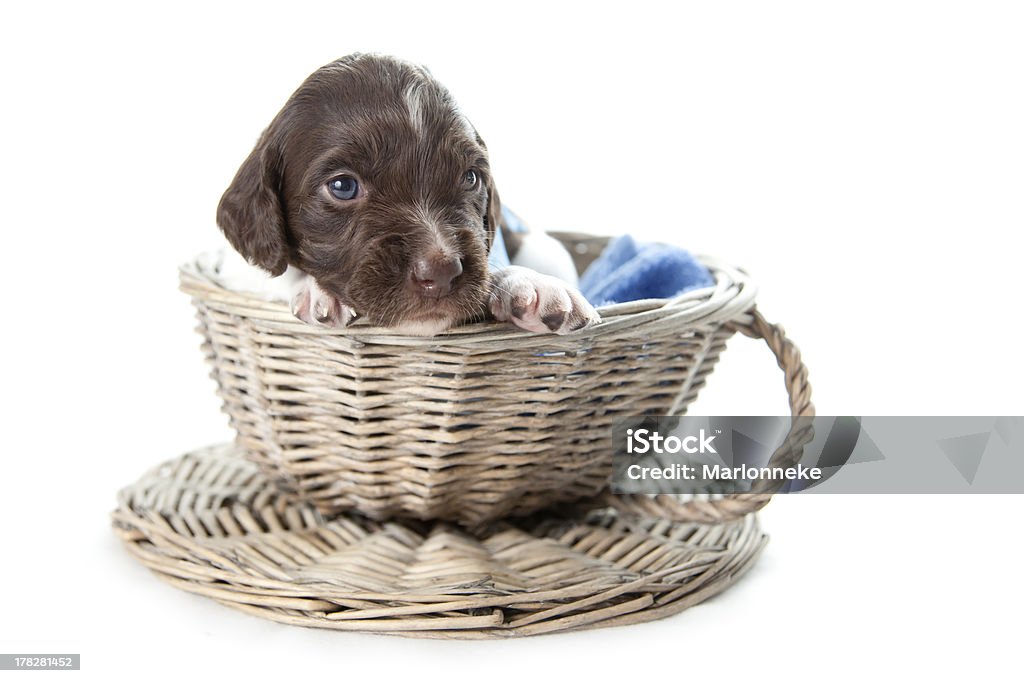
{"x":731,"y":296}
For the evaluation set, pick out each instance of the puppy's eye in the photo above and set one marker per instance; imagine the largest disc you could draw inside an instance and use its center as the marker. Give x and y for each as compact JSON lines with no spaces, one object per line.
{"x":470,"y":179}
{"x":344,"y":187}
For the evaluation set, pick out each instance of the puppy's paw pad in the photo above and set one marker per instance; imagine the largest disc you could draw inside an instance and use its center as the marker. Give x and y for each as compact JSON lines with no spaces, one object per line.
{"x":554,"y":320}
{"x":523,"y":305}
{"x":539,"y":303}
{"x":313,"y":306}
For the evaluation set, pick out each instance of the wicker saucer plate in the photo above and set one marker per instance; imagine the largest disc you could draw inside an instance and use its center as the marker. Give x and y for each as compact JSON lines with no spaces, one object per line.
{"x":211,"y":523}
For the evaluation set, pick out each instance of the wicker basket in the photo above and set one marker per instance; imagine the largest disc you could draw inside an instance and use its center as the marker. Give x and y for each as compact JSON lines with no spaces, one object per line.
{"x":210,"y":523}
{"x":483,"y":422}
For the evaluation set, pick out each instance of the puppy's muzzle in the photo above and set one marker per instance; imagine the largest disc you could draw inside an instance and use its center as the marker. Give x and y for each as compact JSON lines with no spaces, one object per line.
{"x":433,"y":277}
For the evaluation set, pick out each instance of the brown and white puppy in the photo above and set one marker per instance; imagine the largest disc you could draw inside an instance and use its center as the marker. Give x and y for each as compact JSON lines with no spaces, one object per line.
{"x":370,"y":195}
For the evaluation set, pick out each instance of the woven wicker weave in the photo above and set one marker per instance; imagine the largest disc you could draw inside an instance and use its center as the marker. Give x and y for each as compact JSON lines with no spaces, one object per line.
{"x":212,"y":524}
{"x":478,"y":424}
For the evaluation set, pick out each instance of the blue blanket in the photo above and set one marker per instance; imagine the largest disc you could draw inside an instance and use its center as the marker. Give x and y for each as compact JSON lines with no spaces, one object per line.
{"x":626,"y":270}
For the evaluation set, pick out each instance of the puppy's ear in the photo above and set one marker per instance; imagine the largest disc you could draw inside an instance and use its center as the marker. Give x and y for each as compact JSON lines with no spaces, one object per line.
{"x":492,"y":214}
{"x":250,"y":211}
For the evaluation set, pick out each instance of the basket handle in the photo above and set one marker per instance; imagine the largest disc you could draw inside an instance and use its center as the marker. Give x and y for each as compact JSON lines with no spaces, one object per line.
{"x":734,"y":506}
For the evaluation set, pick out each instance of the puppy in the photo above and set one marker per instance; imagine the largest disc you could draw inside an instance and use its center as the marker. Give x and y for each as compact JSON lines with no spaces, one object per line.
{"x":370,"y":195}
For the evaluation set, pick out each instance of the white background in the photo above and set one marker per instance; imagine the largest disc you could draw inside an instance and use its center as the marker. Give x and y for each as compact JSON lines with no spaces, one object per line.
{"x":862,"y":160}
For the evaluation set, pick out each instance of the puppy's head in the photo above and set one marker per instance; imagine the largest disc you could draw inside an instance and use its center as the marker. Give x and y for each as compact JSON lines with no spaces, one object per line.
{"x":372,"y":181}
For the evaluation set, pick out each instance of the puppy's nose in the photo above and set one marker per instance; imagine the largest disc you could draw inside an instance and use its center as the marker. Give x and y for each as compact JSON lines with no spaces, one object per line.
{"x":434,"y":276}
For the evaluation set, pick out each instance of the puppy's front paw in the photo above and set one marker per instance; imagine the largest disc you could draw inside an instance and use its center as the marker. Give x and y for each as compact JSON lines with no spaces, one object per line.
{"x":539,"y":303}
{"x":314,"y":306}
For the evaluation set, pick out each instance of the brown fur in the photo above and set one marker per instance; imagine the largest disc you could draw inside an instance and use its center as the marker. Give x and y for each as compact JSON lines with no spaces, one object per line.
{"x":353,"y":116}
